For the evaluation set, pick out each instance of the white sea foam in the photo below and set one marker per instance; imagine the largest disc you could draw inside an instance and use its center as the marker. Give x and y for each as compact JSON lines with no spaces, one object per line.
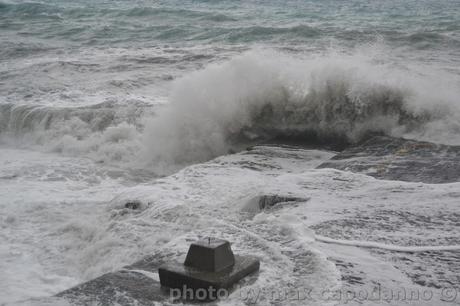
{"x":253,"y":97}
{"x":388,"y":247}
{"x":70,"y":226}
{"x":261,"y":95}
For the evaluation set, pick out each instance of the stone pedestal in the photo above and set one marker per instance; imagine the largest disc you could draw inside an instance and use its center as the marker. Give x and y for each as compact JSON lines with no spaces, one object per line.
{"x":212,"y":255}
{"x":210,"y":265}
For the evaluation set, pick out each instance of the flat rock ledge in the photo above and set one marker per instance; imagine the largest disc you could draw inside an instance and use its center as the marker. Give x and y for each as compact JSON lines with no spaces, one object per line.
{"x":400,"y":159}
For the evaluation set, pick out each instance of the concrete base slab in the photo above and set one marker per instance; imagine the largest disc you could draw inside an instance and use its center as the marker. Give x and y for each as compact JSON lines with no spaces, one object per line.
{"x":177,"y":275}
{"x":139,"y":284}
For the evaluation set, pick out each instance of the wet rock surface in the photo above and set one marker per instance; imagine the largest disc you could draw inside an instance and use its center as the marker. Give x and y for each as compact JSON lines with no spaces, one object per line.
{"x":135,"y":284}
{"x":433,"y":269}
{"x":350,"y":207}
{"x":400,"y":159}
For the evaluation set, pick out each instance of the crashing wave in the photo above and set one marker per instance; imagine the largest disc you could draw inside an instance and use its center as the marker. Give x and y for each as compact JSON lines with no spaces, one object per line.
{"x":106,"y":132}
{"x":258,"y":96}
{"x":255,"y":97}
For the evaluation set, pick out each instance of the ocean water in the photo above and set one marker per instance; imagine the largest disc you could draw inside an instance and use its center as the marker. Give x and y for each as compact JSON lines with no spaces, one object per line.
{"x":99,"y":96}
{"x":89,"y":78}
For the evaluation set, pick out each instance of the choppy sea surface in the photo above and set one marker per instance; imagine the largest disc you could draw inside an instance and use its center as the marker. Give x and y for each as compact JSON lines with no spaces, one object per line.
{"x":97,"y":97}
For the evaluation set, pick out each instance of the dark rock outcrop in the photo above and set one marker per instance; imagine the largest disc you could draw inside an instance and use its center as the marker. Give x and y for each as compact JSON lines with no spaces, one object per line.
{"x":401,"y":159}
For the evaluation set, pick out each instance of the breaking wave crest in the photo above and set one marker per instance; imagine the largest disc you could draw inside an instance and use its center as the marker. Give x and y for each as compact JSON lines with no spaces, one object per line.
{"x":106,"y":132}
{"x":255,"y":97}
{"x":260,"y":96}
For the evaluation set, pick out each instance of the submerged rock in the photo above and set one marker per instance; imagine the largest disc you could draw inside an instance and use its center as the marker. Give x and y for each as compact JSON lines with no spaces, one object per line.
{"x":134,"y":205}
{"x":266,"y":201}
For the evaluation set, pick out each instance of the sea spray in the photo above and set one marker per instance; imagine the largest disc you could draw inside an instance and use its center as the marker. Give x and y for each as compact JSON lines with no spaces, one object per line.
{"x":259,"y":96}
{"x":254,"y":97}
